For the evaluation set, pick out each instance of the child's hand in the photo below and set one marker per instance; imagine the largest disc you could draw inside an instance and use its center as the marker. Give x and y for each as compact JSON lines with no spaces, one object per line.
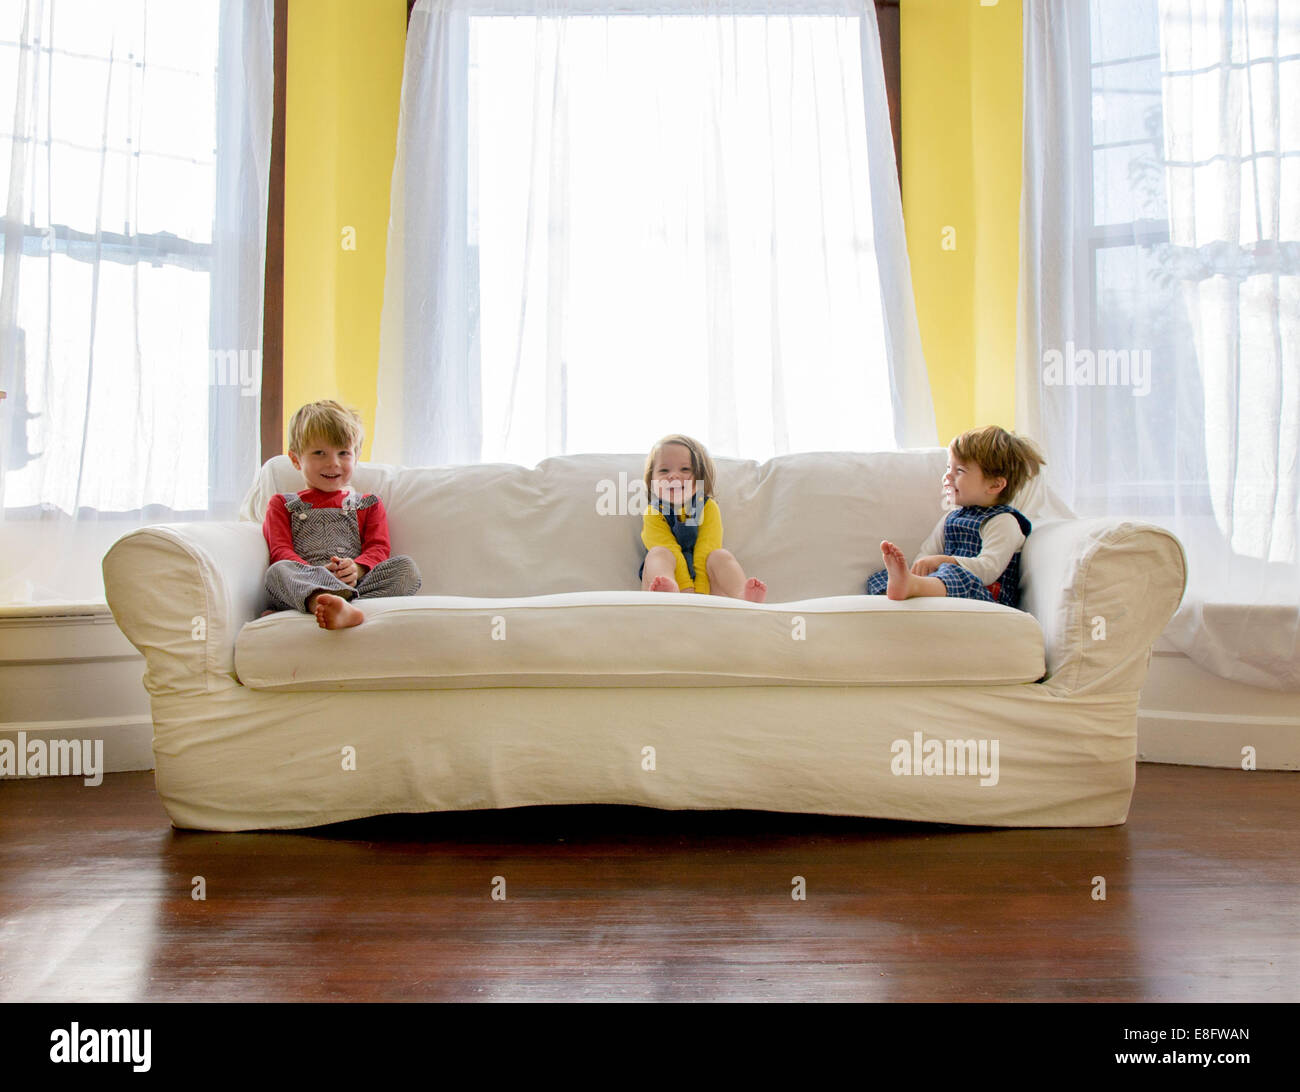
{"x":924,"y":566}
{"x":346,"y":569}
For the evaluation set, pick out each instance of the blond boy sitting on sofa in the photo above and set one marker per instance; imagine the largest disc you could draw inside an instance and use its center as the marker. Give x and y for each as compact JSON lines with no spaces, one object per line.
{"x":329,"y":545}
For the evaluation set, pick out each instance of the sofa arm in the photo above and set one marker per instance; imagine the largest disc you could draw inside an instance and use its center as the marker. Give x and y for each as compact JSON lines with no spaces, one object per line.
{"x":181,"y":592}
{"x":1103,"y":590}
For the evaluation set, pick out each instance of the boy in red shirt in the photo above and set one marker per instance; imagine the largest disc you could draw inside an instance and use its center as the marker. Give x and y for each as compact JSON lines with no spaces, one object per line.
{"x":328,"y":545}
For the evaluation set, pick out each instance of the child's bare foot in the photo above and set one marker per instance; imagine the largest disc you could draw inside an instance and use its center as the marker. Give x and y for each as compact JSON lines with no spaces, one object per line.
{"x":265,"y":613}
{"x":333,"y":612}
{"x":900,"y":578}
{"x":663,"y":583}
{"x":755,"y":590}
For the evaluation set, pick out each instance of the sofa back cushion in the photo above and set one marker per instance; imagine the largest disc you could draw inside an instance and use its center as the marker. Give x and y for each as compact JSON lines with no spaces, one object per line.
{"x":809,"y":525}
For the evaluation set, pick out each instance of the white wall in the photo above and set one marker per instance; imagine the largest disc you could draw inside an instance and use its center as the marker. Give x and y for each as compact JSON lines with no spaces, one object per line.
{"x":56,"y":560}
{"x":69,"y":673}
{"x":1187,"y":716}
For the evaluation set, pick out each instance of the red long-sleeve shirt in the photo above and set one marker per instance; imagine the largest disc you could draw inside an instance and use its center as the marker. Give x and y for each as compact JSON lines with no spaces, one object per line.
{"x":372,"y":521}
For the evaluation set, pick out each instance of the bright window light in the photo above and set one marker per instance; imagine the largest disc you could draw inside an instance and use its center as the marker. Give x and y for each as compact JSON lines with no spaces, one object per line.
{"x":673,"y":227}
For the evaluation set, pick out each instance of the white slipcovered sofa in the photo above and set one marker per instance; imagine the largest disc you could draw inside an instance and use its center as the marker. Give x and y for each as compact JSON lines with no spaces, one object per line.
{"x":531,"y":669}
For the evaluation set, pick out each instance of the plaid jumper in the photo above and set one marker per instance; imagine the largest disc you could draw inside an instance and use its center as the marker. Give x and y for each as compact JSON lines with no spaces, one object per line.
{"x":963,"y":537}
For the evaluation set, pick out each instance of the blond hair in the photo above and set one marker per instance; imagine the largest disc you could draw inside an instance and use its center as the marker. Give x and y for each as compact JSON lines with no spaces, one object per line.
{"x":326,"y":421}
{"x":999,"y":454}
{"x":701,"y":463}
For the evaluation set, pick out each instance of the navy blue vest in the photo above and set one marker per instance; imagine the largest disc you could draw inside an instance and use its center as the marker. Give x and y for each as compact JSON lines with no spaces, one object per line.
{"x":961,"y":538}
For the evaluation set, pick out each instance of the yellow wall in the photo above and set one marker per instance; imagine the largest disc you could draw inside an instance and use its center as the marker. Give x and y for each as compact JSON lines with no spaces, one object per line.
{"x":962,"y":73}
{"x":343,"y":92}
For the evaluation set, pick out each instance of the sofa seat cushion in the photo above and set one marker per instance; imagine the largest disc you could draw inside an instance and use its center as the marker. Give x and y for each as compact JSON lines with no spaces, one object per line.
{"x":619,"y":638}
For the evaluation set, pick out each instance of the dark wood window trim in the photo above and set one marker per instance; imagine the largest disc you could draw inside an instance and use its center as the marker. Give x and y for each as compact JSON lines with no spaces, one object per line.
{"x":273,"y":288}
{"x":891,"y":55}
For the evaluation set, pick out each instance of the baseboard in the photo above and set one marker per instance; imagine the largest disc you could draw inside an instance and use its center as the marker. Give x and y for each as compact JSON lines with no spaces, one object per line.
{"x":1190,"y":717}
{"x":68,"y":673}
{"x":127,"y":741}
{"x":1228,"y":742}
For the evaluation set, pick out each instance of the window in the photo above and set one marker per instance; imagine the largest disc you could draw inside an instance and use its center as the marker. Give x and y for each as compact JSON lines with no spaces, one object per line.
{"x":643,"y":219}
{"x":1139,"y":316}
{"x":124,"y":393}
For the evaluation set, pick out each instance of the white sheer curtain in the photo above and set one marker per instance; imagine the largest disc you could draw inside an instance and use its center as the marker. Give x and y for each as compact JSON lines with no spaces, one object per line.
{"x":1159,"y":353}
{"x":134,"y":148}
{"x":615,"y":220}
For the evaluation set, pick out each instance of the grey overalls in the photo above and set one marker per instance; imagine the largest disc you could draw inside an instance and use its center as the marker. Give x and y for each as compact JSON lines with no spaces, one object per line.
{"x":322,"y":533}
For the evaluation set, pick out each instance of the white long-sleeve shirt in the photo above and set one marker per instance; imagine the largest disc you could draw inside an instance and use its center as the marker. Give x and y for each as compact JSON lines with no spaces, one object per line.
{"x":1000,"y":537}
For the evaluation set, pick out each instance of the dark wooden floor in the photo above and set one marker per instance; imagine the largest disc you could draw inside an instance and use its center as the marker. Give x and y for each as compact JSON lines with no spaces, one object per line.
{"x":1202,"y":903}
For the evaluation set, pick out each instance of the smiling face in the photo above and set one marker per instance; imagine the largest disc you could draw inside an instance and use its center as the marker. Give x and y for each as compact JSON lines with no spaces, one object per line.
{"x":965,"y":485}
{"x":672,"y":476}
{"x":327,"y":467}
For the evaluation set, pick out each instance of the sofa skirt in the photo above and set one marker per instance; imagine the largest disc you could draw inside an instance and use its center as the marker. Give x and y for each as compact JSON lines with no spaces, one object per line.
{"x":1010,"y":756}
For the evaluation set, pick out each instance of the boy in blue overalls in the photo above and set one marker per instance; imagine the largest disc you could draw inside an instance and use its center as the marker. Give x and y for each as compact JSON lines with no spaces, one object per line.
{"x":974,"y":552}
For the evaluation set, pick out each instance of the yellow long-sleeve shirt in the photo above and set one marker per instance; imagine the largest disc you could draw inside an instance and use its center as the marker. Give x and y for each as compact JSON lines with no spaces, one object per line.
{"x":656,"y":532}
